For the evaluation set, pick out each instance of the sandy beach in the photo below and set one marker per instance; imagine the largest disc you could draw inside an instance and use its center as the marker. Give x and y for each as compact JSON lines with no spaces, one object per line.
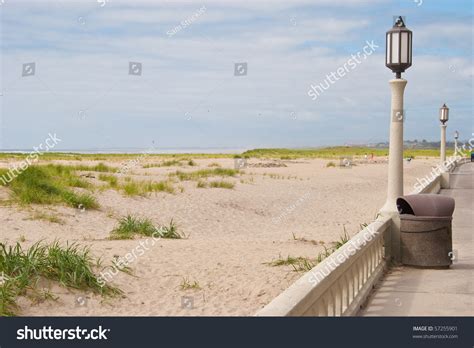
{"x":277,"y":208}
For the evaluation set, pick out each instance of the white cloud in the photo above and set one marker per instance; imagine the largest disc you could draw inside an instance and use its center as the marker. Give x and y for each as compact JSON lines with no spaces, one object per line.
{"x":85,"y":67}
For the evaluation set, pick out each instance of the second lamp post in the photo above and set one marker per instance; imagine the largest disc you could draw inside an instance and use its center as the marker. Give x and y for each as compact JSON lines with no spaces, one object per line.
{"x":443,"y":117}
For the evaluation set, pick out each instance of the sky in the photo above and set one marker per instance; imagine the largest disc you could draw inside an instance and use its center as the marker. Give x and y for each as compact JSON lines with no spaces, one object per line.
{"x":184,"y":93}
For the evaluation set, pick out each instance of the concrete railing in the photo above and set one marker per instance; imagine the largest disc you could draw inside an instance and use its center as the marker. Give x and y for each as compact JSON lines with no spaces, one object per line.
{"x":441,"y":180}
{"x":433,"y":187}
{"x":340,"y":284}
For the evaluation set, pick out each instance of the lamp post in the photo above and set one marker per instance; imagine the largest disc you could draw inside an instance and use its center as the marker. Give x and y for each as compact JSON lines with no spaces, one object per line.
{"x":443,"y":117}
{"x":456,"y":137}
{"x":398,"y":58}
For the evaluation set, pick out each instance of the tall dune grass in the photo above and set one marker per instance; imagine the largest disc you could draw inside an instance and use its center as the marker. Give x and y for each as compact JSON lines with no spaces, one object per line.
{"x":71,"y":266}
{"x":204,"y":173}
{"x":50,"y":184}
{"x":130,"y":226}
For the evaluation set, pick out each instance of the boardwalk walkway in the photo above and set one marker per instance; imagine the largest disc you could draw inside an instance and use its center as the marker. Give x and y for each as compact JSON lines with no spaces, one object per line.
{"x":408,"y":291}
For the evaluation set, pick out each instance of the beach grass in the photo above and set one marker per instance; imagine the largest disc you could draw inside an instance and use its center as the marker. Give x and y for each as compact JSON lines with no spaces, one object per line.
{"x":305,"y":264}
{"x":288,"y":261}
{"x":116,"y":157}
{"x":187,"y":284}
{"x":47,"y":217}
{"x":202,"y":184}
{"x":142,"y":188}
{"x":110,"y":179}
{"x":100,"y":167}
{"x":50,"y":184}
{"x":129,"y":226}
{"x":334,"y":152}
{"x":215,"y":184}
{"x":282,"y":153}
{"x":168,"y":163}
{"x":72,"y":266}
{"x":170,"y":231}
{"x":204,"y":173}
{"x":222,"y":184}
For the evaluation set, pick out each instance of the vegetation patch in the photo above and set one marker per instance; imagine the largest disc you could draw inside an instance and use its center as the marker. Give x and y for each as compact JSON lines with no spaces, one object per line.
{"x":215,"y":184}
{"x":305,"y":264}
{"x":130,"y":226}
{"x":110,"y":179}
{"x":50,"y":184}
{"x":222,"y":184}
{"x":101,"y":167}
{"x":187,"y":284}
{"x":334,"y":152}
{"x":47,"y":217}
{"x":21,"y":270}
{"x":142,"y":188}
{"x":171,"y":163}
{"x":204,"y":173}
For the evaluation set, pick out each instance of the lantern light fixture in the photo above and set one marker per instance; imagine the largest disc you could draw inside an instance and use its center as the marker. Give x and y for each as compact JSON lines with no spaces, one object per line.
{"x":398,"y":50}
{"x":444,"y":114}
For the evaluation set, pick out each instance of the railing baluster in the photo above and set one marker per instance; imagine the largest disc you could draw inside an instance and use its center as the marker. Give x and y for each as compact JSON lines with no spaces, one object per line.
{"x":346,"y":293}
{"x":366,"y":267}
{"x":371,"y":256}
{"x":369,"y":262}
{"x":352,"y":287}
{"x":339,"y":297}
{"x":332,"y":302}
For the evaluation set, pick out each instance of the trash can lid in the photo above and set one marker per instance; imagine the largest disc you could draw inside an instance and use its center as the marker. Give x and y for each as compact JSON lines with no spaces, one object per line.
{"x":426,"y":205}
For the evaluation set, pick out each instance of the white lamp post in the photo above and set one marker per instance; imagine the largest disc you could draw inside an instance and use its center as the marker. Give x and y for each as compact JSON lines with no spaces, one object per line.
{"x":443,"y":117}
{"x":398,"y":59}
{"x":456,"y":137}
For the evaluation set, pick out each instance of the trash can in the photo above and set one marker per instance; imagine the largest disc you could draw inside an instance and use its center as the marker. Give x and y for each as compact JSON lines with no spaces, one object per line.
{"x":425,"y":230}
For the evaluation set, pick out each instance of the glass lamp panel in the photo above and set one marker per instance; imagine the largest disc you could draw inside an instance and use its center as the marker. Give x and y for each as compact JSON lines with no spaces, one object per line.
{"x":409,"y":47}
{"x":387,"y":54}
{"x":404,"y":47}
{"x":443,"y":114}
{"x":395,"y":48}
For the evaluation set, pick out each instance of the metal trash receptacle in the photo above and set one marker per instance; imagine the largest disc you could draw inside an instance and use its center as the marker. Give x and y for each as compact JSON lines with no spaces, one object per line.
{"x":425,"y":230}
